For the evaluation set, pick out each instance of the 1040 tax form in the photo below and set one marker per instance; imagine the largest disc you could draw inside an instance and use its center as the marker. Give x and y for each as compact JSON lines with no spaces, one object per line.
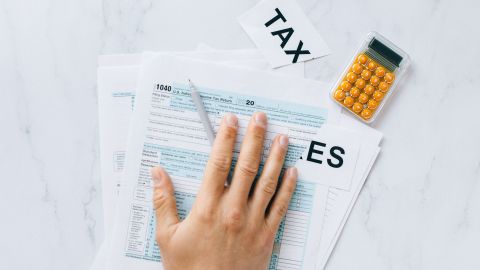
{"x":167,"y":131}
{"x":117,"y":84}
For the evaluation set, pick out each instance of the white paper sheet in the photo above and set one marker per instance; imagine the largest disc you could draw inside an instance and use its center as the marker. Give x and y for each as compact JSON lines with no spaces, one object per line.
{"x":117,"y":60}
{"x":283,"y":33}
{"x":331,"y":158}
{"x":116,"y":95}
{"x":337,"y":214}
{"x":212,"y":80}
{"x":297,"y":70}
{"x":339,"y":205}
{"x":340,"y":202}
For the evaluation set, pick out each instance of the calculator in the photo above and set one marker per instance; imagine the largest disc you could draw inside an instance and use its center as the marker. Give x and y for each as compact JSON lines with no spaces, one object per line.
{"x":371,"y":77}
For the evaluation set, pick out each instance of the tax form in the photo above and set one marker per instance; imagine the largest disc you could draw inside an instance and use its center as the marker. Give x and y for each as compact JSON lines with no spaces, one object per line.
{"x":166,"y":130}
{"x":116,"y":94}
{"x":117,"y":84}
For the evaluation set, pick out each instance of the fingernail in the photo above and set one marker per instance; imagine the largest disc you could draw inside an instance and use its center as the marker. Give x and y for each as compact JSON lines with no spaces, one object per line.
{"x":292,"y":173}
{"x":157,"y":180}
{"x":283,"y":140}
{"x":231,"y":120}
{"x":261,"y":119}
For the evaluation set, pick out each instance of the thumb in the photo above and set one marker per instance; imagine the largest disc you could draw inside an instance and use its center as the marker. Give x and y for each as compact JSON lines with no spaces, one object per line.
{"x":163,"y":203}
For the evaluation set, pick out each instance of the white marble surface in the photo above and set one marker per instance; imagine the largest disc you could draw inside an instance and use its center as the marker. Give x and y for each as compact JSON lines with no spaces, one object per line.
{"x":420,"y":208}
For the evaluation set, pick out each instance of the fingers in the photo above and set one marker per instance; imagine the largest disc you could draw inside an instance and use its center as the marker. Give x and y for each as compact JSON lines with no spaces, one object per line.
{"x":281,"y":201}
{"x":218,"y":166}
{"x":267,"y":184}
{"x":163,"y":203}
{"x":249,"y":159}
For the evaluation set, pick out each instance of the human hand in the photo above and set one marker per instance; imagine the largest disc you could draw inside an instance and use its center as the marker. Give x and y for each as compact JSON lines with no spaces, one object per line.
{"x":228,"y":227}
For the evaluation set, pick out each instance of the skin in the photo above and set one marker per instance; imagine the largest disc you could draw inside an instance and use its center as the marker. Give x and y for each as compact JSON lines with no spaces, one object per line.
{"x":228,"y":227}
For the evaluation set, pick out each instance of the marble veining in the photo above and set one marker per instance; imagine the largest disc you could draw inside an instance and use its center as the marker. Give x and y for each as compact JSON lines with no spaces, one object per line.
{"x":420,"y":208}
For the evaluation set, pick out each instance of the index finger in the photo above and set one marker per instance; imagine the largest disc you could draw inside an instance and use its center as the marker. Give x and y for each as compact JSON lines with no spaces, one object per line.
{"x":218,"y":166}
{"x":249,"y":159}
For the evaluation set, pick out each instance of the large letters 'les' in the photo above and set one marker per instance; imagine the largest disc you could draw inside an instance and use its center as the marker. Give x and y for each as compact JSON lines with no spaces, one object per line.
{"x":333,"y":153}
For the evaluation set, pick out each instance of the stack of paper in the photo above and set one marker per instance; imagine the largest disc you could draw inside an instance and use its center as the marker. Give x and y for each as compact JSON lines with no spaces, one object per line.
{"x":147,"y":118}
